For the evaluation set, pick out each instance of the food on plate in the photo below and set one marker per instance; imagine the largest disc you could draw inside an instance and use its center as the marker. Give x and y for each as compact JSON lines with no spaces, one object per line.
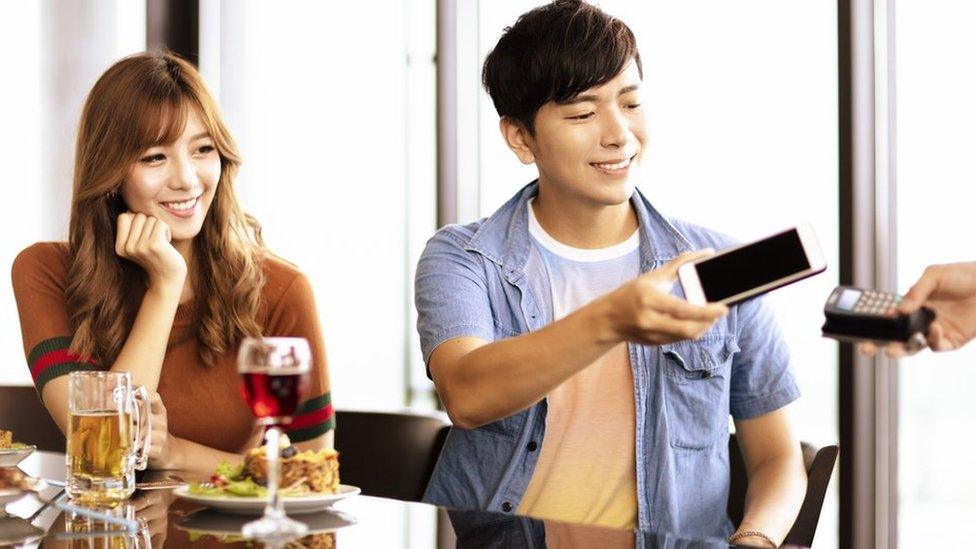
{"x":302,"y":473}
{"x":7,"y":441}
{"x":15,"y":479}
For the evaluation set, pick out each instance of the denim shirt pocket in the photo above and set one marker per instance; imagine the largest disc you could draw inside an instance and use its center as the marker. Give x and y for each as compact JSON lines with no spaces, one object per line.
{"x":698,"y":374}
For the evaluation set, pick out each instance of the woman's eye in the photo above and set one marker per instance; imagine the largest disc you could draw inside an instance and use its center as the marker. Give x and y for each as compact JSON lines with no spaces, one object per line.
{"x":634,"y":106}
{"x":206,"y":149}
{"x":152,"y":158}
{"x":582,"y":116}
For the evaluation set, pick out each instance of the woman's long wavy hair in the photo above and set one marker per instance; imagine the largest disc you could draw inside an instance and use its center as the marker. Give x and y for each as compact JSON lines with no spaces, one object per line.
{"x":142,"y":101}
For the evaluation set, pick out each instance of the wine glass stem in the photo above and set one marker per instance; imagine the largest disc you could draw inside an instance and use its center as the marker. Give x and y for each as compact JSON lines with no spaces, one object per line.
{"x":273,"y":507}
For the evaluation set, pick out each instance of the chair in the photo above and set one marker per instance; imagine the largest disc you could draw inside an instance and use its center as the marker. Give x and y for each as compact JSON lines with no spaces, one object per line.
{"x":820,"y":467}
{"x":390,"y":455}
{"x":22,"y":412}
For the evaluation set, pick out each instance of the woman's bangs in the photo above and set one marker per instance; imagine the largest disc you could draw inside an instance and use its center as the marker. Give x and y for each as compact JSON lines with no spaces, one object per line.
{"x":162,"y":122}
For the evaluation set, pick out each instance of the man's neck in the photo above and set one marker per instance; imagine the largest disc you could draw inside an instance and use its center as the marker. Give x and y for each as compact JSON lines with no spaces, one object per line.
{"x":585,"y":225}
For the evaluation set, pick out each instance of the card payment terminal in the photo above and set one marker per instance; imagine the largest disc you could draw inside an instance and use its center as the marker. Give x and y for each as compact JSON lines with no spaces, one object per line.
{"x":853,"y":314}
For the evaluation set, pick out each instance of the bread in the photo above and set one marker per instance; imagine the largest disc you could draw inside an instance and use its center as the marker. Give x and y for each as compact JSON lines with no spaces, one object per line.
{"x":6,"y":439}
{"x":325,"y":540}
{"x":318,"y":471}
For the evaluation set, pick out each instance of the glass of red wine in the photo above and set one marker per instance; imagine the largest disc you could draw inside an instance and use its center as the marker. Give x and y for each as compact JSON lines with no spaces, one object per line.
{"x":274,"y":376}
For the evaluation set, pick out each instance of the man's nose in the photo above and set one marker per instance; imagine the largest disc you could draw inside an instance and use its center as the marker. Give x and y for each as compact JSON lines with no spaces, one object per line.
{"x":616,"y":131}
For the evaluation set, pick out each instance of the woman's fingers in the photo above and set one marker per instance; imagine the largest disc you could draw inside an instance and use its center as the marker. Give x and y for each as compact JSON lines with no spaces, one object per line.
{"x":123,"y":227}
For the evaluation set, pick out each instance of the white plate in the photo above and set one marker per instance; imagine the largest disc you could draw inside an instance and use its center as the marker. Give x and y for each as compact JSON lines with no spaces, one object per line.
{"x":294,"y":505}
{"x":10,"y":457}
{"x":214,"y":523}
{"x":9,"y":495}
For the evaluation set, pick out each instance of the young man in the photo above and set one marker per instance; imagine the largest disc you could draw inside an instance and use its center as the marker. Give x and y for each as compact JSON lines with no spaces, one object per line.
{"x":569,"y":375}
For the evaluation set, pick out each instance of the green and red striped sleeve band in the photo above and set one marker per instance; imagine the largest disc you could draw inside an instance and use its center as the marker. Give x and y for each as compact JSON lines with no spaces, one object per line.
{"x":51,"y":358}
{"x":314,"y":418}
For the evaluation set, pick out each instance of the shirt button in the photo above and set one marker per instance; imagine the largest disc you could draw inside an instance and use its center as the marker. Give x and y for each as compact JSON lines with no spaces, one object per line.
{"x":507,"y":506}
{"x":531,"y":446}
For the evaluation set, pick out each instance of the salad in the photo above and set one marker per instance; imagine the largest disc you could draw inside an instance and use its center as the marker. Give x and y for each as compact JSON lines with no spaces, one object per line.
{"x":233,"y":481}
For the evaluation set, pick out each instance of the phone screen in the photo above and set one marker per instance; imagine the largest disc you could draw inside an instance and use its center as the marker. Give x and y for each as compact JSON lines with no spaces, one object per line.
{"x":760,"y":263}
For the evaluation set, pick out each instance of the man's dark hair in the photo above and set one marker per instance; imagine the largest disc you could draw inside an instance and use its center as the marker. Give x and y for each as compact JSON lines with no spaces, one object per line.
{"x":554,"y":53}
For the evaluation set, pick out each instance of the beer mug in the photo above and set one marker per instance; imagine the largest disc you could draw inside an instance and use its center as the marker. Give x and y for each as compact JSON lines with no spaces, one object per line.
{"x":85,"y":532}
{"x":108,"y":436}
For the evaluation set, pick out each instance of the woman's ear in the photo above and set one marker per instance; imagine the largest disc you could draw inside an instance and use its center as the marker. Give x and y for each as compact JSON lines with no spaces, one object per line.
{"x":518,"y":138}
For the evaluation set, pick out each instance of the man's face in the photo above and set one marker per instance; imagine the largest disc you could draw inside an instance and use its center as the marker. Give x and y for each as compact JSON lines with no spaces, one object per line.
{"x":590,"y":147}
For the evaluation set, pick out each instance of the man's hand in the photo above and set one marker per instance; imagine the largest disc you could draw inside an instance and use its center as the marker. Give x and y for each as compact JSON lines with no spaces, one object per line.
{"x":146,"y":241}
{"x":950,"y":291}
{"x":644,"y":312}
{"x":162,"y":451}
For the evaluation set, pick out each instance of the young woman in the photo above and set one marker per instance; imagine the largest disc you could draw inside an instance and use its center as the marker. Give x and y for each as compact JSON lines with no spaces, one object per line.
{"x":163,"y":273}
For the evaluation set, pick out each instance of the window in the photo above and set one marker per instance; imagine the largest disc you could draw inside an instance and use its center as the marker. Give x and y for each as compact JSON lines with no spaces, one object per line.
{"x":936,"y":84}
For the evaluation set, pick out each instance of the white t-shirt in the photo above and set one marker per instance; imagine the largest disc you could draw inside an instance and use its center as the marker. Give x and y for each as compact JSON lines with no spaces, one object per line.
{"x":586,"y":471}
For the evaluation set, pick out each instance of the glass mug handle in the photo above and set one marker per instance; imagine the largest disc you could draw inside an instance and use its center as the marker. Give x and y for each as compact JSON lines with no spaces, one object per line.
{"x":143,"y":422}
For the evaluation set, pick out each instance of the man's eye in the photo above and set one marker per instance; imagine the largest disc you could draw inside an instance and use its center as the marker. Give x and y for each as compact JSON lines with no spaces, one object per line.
{"x":582,"y":116}
{"x":152,"y":158}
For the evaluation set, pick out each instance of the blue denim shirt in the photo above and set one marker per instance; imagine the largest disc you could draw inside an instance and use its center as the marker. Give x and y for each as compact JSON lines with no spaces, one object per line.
{"x":486,"y":280}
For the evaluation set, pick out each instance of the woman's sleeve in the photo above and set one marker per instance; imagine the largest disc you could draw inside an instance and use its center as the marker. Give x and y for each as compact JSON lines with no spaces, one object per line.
{"x":296,"y":316}
{"x":38,"y":277}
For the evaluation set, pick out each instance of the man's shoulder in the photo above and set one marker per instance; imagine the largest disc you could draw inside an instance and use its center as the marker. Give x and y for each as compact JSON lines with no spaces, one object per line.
{"x":702,"y":237}
{"x":456,"y":235}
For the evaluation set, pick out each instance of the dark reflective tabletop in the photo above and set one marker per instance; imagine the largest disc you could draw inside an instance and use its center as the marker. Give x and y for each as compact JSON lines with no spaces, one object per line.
{"x":358,"y":521}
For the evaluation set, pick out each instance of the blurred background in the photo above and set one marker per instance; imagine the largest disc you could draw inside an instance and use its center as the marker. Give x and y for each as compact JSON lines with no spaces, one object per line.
{"x":363,"y":127}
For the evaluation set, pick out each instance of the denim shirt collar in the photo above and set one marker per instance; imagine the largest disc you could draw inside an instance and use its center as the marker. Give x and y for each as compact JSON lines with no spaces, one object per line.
{"x":504,"y":237}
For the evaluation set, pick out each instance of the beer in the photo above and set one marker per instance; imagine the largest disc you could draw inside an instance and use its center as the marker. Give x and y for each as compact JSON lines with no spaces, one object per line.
{"x":99,"y":446}
{"x":105,"y":446}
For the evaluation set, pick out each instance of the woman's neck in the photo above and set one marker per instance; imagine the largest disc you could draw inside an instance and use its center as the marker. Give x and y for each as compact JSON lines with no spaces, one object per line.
{"x":185,"y":247}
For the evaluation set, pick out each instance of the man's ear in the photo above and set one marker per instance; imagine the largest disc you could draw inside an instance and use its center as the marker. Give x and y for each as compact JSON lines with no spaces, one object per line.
{"x":518,"y":138}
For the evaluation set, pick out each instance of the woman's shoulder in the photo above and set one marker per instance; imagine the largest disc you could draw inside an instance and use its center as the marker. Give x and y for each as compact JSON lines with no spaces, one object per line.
{"x":283,"y":277}
{"x":41,"y":258}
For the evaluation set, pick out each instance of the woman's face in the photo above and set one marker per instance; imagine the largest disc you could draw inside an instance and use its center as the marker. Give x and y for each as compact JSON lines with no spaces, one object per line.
{"x":176,"y":182}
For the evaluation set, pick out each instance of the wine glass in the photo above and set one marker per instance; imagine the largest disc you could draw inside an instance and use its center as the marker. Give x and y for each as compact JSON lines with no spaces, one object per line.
{"x":274,"y":375}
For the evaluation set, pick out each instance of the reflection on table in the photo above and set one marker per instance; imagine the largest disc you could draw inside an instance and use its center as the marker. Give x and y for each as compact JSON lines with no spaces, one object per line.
{"x":359,"y":521}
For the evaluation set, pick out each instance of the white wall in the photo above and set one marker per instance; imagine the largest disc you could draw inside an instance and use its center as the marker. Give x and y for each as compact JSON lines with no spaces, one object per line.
{"x":54,"y":52}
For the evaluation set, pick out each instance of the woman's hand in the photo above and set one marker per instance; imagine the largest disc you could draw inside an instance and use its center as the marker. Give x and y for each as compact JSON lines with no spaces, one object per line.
{"x":145,"y":240}
{"x":152,"y":507}
{"x":162,"y":452}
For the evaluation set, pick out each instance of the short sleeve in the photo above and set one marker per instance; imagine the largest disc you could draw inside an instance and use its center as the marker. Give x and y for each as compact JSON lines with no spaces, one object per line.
{"x":38,"y":276}
{"x":296,"y":315}
{"x":762,"y":380}
{"x":451,"y":294}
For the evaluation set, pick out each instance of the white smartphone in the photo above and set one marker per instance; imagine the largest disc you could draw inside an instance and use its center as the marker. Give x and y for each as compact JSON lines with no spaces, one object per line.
{"x":736,"y":274}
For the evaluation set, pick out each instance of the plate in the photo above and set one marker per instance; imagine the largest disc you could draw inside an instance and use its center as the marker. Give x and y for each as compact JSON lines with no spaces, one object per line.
{"x":10,"y":457}
{"x":294,"y":505}
{"x":16,"y":531}
{"x":9,"y":495}
{"x":228,"y":527}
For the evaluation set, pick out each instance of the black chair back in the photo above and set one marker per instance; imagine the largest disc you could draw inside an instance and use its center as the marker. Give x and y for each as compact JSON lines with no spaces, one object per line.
{"x":390,"y":455}
{"x":23,"y":413}
{"x":820,"y":466}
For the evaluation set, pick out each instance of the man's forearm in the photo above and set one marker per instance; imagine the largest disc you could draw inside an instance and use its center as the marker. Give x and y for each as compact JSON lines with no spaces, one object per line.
{"x":499,"y":379}
{"x":775,"y":494}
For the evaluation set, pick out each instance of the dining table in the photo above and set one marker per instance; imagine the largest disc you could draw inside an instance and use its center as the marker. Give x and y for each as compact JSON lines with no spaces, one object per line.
{"x":360,"y":521}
